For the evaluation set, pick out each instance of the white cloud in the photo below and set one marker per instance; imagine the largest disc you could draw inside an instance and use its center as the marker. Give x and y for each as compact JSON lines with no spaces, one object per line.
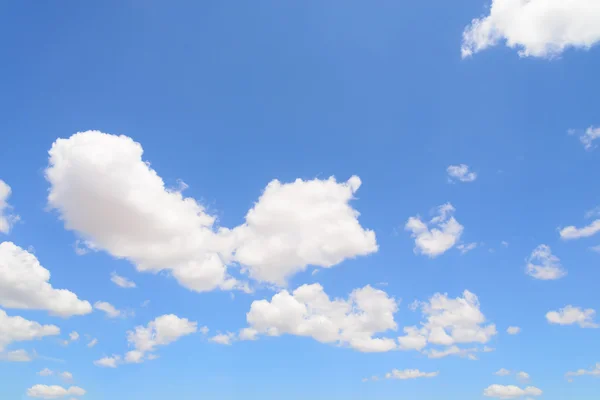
{"x":46,"y":372}
{"x":460,"y":173}
{"x":203,"y":330}
{"x":106,"y":192}
{"x":309,"y":311}
{"x":303,"y":223}
{"x":108,"y":362}
{"x":223,"y":338}
{"x":74,"y":336}
{"x":465,"y":248}
{"x":510,"y":391}
{"x":589,"y":136}
{"x":92,"y":342}
{"x":248,"y":334}
{"x":502,"y":372}
{"x":572,"y":232}
{"x":109,"y":309}
{"x":6,"y":220}
{"x":537,"y":28}
{"x":570,"y":315}
{"x":54,"y":391}
{"x":121,"y":281}
{"x":24,"y":284}
{"x":449,"y":322}
{"x":513,"y":330}
{"x":18,"y":329}
{"x":410,"y":374}
{"x":544,"y":265}
{"x":523,"y":376}
{"x":594,"y":371}
{"x":15,"y":356}
{"x":444,"y":234}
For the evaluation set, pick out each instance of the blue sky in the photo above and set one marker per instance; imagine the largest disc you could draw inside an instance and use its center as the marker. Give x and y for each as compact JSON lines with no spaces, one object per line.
{"x":225,"y":99}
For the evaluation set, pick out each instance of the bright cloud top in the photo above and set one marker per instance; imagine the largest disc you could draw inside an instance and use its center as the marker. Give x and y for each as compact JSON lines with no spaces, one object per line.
{"x":544,"y":265}
{"x":570,"y":315}
{"x":54,"y":391}
{"x":18,"y":329}
{"x":449,"y":322}
{"x":510,"y":391}
{"x":24,"y":284}
{"x":537,"y":28}
{"x":410,"y":374}
{"x":106,"y":192}
{"x":437,"y":236}
{"x":309,"y":311}
{"x":460,"y":173}
{"x":6,"y":219}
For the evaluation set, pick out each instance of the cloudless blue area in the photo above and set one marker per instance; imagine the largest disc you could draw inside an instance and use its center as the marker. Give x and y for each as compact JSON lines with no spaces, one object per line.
{"x":230,"y":95}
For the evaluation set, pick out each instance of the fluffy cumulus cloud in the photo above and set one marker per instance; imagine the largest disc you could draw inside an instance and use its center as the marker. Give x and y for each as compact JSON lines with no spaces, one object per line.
{"x":122,"y":281}
{"x":570,"y":315}
{"x":449,"y":323}
{"x":502,"y":372}
{"x":224,"y":338}
{"x":572,"y":232}
{"x":544,"y":265}
{"x":439,"y":235}
{"x":107,"y":193}
{"x":7,"y":219}
{"x":537,"y":28}
{"x":410,"y":374}
{"x":460,"y":173}
{"x":161,"y":331}
{"x":18,"y":329}
{"x":510,"y":391}
{"x":309,"y":311}
{"x":54,"y":391}
{"x":588,"y":137}
{"x":24,"y":284}
{"x":593,"y":371}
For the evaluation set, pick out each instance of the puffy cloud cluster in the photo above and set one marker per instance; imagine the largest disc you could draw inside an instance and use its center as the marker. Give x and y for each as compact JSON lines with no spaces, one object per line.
{"x":161,"y":331}
{"x":6,"y":219}
{"x":24,"y":284}
{"x":449,"y":322}
{"x":594,"y":371}
{"x":544,"y":265}
{"x":510,"y":391}
{"x":110,"y":196}
{"x":570,"y":315}
{"x":538,"y":28}
{"x":439,"y":235}
{"x":19,"y":329}
{"x":460,"y":173}
{"x":309,"y":311}
{"x":54,"y":391}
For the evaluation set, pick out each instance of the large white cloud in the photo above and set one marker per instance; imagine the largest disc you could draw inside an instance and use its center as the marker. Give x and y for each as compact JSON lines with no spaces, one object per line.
{"x":439,"y":235}
{"x":570,"y":315}
{"x":106,"y":192}
{"x":449,"y":322}
{"x":54,"y":391}
{"x":309,"y":311}
{"x":19,"y":329}
{"x":7,"y":219}
{"x":537,"y":28}
{"x":24,"y":284}
{"x":510,"y":391}
{"x":544,"y":265}
{"x":161,"y":331}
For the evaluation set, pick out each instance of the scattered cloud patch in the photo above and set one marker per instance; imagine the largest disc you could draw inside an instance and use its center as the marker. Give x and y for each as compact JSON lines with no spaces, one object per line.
{"x":544,"y":265}
{"x":121,"y":281}
{"x":109,"y":309}
{"x":465,"y":248}
{"x":25,"y":284}
{"x":223,"y":338}
{"x":502,"y":372}
{"x":54,"y":391}
{"x":108,"y":362}
{"x":513,"y":330}
{"x":92,"y":343}
{"x":570,"y":315}
{"x":510,"y":391}
{"x":537,"y":28}
{"x":593,"y":371}
{"x":572,"y":232}
{"x":7,"y":220}
{"x":460,"y":173}
{"x":410,"y":374}
{"x":18,"y":329}
{"x":16,"y":356}
{"x":438,"y":235}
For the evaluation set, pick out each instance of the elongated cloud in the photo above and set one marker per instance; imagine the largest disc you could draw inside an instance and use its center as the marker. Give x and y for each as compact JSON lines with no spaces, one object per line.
{"x":570,"y":315}
{"x":25,"y":284}
{"x":410,"y":374}
{"x":18,"y":329}
{"x":105,"y":191}
{"x":510,"y":391}
{"x":54,"y":391}
{"x":537,"y":28}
